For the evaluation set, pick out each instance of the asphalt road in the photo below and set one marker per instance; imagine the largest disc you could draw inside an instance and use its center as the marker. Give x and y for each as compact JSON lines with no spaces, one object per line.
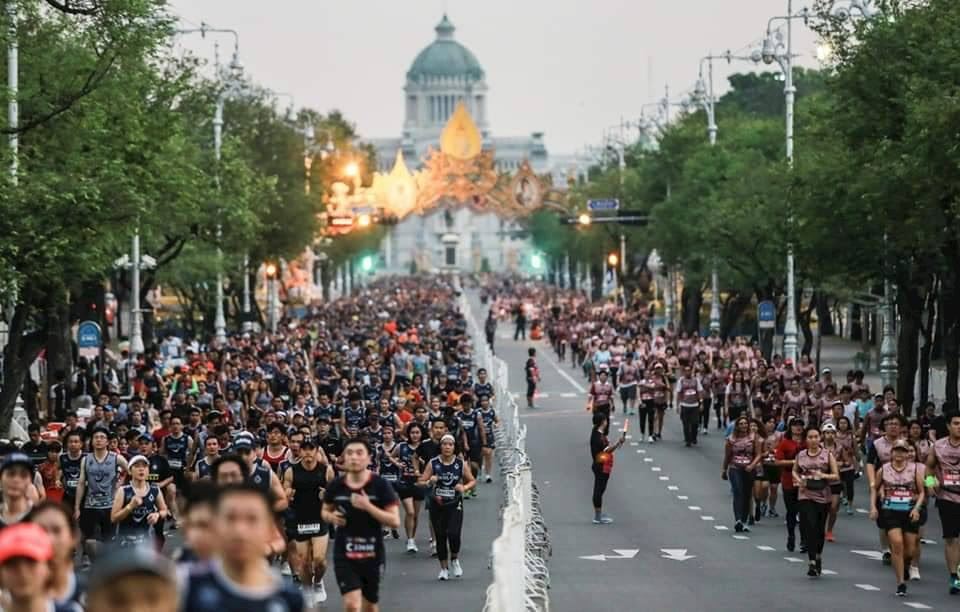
{"x":665,"y":497}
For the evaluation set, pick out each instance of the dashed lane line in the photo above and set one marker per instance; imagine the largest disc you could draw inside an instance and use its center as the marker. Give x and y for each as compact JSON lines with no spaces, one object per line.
{"x":867,"y":587}
{"x":664,"y":478}
{"x":740,"y":537}
{"x":917,"y":605}
{"x":721,"y":528}
{"x":694,"y":508}
{"x":706,"y":518}
{"x":766,"y":548}
{"x":563,"y":373}
{"x":655,"y":469}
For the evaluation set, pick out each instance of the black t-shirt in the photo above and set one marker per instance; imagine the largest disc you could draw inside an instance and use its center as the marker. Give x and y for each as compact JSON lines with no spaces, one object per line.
{"x":427,"y":450}
{"x":361,"y":539}
{"x":159,"y":469}
{"x":531,"y":369}
{"x":36,"y":451}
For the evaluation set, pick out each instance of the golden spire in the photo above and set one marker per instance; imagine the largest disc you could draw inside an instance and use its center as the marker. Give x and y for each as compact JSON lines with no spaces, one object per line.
{"x":460,"y":138}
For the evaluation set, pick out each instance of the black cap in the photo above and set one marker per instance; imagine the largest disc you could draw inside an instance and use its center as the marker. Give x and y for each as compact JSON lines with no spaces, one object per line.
{"x":16,"y":459}
{"x":117,"y":563}
{"x":308,"y":442}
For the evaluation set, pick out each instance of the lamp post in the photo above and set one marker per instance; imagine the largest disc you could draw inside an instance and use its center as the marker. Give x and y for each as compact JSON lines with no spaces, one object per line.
{"x":232,"y":80}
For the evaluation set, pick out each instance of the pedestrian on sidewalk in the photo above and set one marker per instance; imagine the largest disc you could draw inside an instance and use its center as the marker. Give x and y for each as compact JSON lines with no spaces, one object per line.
{"x":602,"y":452}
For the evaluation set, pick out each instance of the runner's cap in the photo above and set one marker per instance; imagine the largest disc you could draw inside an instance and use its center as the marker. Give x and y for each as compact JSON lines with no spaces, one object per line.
{"x":118,"y":563}
{"x":828,"y":427}
{"x":16,"y":459}
{"x":826,"y":371}
{"x":27,"y":540}
{"x":138,"y":459}
{"x":900,"y":444}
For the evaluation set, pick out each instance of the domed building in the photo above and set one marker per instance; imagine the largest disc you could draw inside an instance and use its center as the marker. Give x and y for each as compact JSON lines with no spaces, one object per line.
{"x":443,"y":77}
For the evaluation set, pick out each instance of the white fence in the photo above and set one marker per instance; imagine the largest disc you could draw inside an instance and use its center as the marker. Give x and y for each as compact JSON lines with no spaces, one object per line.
{"x":521,"y":578}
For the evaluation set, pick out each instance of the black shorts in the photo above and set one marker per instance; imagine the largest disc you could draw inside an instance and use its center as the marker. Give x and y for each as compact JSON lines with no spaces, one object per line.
{"x":770,"y":473}
{"x":836,"y":488}
{"x":408,"y":490}
{"x":304,"y":532}
{"x":94,"y":522}
{"x":179,"y":479}
{"x":475,"y":454}
{"x":895,"y":519}
{"x":628,"y":393}
{"x":949,"y":518}
{"x":531,"y":388}
{"x":363,"y":575}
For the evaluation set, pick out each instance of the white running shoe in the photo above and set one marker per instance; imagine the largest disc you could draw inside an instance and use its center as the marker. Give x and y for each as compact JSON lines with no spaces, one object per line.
{"x":489,"y":478}
{"x":285,"y":569}
{"x":457,"y":570}
{"x":649,"y":439}
{"x":412,"y":545}
{"x":319,"y":593}
{"x":443,"y":575}
{"x":914,"y":573}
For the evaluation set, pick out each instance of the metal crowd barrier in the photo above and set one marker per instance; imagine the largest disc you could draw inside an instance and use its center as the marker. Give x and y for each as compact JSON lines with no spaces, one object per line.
{"x":521,"y":577}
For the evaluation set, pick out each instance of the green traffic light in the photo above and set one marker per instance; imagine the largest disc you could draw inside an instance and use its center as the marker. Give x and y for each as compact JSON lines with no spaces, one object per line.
{"x":366,"y":263}
{"x":536,"y":261}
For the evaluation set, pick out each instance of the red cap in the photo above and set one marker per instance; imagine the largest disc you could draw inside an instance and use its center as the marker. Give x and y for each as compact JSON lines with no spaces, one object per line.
{"x":25,"y":540}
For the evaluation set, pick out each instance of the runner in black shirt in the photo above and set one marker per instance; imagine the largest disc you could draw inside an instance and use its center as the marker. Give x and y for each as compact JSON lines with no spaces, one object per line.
{"x":359,"y":504}
{"x":533,"y":376}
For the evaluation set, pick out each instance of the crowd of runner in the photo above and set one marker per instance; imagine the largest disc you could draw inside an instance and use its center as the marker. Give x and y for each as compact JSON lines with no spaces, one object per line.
{"x":791,"y":433}
{"x":347,"y":425}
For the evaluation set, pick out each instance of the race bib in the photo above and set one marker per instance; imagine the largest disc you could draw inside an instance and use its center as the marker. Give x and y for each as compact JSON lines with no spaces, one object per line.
{"x":175,"y":464}
{"x":389,"y":477}
{"x":357,"y":548}
{"x":309,"y":529}
{"x":445,"y":492}
{"x":899,"y":499}
{"x":742,"y":460}
{"x":951,"y":481}
{"x":73,"y":483}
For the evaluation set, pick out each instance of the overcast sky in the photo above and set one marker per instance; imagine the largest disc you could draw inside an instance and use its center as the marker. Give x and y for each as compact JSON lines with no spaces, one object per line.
{"x":569,"y":68}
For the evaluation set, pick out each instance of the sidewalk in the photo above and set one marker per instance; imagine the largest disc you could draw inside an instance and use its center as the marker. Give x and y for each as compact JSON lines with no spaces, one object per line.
{"x":838,"y":354}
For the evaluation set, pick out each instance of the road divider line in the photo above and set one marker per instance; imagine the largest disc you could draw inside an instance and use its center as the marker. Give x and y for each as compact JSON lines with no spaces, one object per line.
{"x":560,"y":371}
{"x":867,"y":587}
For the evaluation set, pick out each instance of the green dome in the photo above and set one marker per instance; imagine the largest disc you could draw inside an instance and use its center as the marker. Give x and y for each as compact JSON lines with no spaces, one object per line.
{"x":445,"y":57}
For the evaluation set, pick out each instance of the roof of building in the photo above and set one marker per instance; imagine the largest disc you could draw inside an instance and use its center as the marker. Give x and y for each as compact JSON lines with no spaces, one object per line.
{"x":445,"y":57}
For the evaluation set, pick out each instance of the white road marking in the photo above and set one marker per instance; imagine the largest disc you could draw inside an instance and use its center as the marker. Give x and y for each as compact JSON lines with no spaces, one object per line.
{"x":655,"y":469}
{"x":867,"y":587}
{"x":917,"y":605}
{"x":676,"y":554}
{"x":634,"y":444}
{"x":673,"y":488}
{"x":863,"y":511}
{"x":664,"y":478}
{"x":683,"y":497}
{"x":740,"y":537}
{"x":646,"y":459}
{"x":706,"y":518}
{"x":793,"y":560}
{"x":642,"y":451}
{"x":766,"y":548}
{"x":721,"y":528}
{"x":629,"y":436}
{"x":568,"y":395}
{"x":828,"y":572}
{"x":694,"y":508}
{"x":622,"y":553}
{"x":870,"y":554}
{"x":563,"y":373}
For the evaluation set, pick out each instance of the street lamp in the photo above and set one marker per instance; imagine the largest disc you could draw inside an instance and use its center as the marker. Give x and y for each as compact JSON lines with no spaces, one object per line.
{"x":865,"y":8}
{"x":584,"y":219}
{"x":270,"y":270}
{"x":231,"y":79}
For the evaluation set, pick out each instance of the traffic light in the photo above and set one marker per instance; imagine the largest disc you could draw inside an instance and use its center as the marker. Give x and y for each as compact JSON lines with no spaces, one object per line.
{"x":366,"y":264}
{"x":612,"y":260}
{"x":536,"y":261}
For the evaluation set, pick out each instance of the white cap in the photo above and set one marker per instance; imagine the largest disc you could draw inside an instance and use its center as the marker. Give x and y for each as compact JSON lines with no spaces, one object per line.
{"x":137,"y":459}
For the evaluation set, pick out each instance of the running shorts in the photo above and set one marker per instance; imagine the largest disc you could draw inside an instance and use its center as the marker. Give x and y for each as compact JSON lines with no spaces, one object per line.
{"x":628,"y":393}
{"x":363,"y":575}
{"x":949,"y":518}
{"x":895,"y":519}
{"x":836,"y":488}
{"x":304,"y":531}
{"x":407,"y":490}
{"x":771,"y":473}
{"x":93,"y":520}
{"x":475,"y":454}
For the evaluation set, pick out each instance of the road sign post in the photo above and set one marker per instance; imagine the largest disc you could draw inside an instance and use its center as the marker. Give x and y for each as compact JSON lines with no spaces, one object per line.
{"x":604,"y":205}
{"x":766,"y":327}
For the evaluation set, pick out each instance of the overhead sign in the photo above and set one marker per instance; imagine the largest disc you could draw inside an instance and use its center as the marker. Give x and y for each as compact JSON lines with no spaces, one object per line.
{"x":600,"y":205}
{"x":766,"y":315}
{"x":89,"y":339}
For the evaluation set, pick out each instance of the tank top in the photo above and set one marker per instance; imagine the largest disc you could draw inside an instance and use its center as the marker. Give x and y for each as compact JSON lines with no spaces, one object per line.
{"x":628,"y":375}
{"x":602,"y":392}
{"x":204,"y":469}
{"x":808,"y":464}
{"x":948,"y":469}
{"x":306,"y":504}
{"x":738,"y":394}
{"x":354,"y":417}
{"x":387,"y":469}
{"x":845,"y":454}
{"x":471,"y":426}
{"x":742,"y":450}
{"x":899,"y":487}
{"x":883,"y":447}
{"x":71,"y":473}
{"x":448,"y":477}
{"x":176,"y":451}
{"x":275,"y":461}
{"x":101,"y":481}
{"x":206,"y":588}
{"x":659,"y":390}
{"x":134,"y":529}
{"x":688,"y":392}
{"x":260,"y":476}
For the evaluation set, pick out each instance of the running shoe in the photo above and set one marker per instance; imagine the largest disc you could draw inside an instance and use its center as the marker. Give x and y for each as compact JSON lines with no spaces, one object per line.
{"x":772,"y":513}
{"x":803,"y":547}
{"x":819,"y":566}
{"x":705,"y":432}
{"x":791,"y":544}
{"x":812,"y":570}
{"x":901,"y":590}
{"x":750,"y":520}
{"x":319,"y":593}
{"x":954,"y":586}
{"x":603,"y":519}
{"x":738,"y":527}
{"x":444,"y":575}
{"x":887,"y":558}
{"x":412,"y":546}
{"x":914,"y":572}
{"x":489,"y":478}
{"x":457,"y":569}
{"x":746,"y":529}
{"x":830,"y":537}
{"x":850,"y":510}
{"x":650,"y":439}
{"x":395,"y":534}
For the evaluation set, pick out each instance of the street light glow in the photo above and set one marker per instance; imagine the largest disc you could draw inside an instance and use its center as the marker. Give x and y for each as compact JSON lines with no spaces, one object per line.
{"x":536,"y":261}
{"x":271,"y":270}
{"x":824,"y":51}
{"x":351,"y":169}
{"x":363,"y":220}
{"x":613,"y":260}
{"x":366,"y":263}
{"x":584,"y":219}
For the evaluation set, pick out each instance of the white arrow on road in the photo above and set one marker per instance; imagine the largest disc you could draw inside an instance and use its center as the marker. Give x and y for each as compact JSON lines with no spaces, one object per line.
{"x":622,"y":553}
{"x":676,"y":554}
{"x":869,"y":554}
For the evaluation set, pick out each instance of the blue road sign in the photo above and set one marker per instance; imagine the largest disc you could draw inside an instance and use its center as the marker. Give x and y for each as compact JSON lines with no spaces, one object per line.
{"x":766,"y":315}
{"x":608,"y":204}
{"x":88,"y":335}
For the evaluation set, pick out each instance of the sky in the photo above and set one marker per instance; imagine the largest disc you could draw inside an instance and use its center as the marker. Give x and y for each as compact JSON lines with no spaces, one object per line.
{"x":569,"y":68}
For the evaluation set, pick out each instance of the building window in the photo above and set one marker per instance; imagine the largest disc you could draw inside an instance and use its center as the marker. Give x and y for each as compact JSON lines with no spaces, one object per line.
{"x":451,"y":256}
{"x":411,"y":108}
